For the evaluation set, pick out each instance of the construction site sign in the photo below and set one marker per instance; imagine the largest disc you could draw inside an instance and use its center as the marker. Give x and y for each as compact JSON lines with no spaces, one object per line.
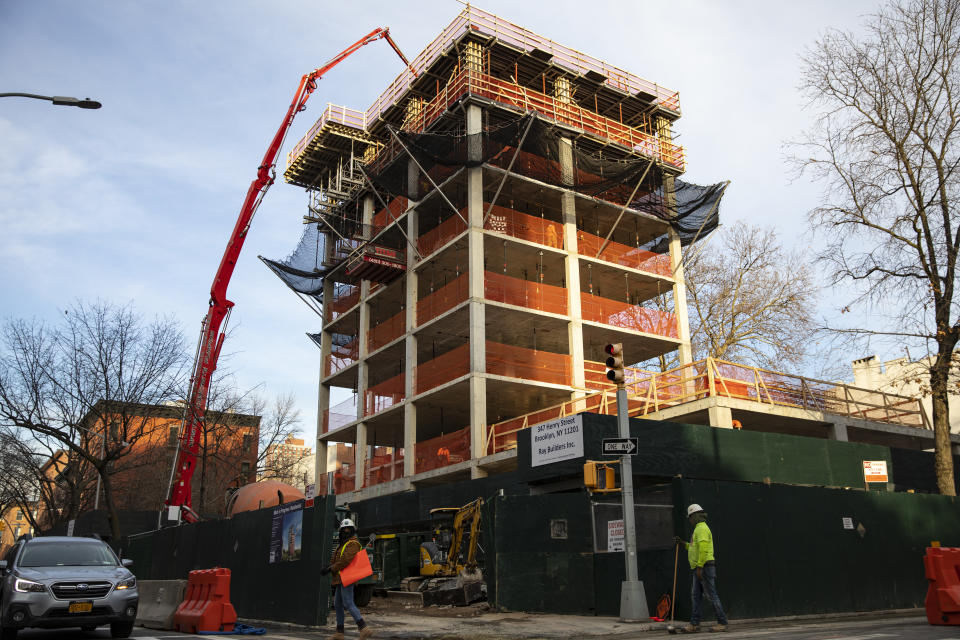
{"x":556,"y":440}
{"x":615,"y":532}
{"x":875,"y":471}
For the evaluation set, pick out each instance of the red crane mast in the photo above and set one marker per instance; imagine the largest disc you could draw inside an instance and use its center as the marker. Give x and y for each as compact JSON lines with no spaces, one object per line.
{"x":213,"y":326}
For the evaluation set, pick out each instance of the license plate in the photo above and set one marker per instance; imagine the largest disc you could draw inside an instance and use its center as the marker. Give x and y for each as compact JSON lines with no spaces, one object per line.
{"x":80,"y":607}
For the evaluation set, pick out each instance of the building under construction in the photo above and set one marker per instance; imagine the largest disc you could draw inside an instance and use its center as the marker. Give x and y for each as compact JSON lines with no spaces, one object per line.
{"x":503,"y":210}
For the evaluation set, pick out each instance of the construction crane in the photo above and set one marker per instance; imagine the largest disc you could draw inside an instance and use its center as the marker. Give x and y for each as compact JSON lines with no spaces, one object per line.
{"x":213,"y":329}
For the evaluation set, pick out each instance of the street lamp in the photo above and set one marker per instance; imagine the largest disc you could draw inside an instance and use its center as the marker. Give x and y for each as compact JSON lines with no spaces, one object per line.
{"x":66,"y":101}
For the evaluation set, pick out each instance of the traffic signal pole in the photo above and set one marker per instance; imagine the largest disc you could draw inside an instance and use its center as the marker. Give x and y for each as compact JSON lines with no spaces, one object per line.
{"x":633,"y":599}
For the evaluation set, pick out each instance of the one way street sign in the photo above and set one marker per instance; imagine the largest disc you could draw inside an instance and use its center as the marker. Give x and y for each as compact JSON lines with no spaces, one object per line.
{"x":620,"y":446}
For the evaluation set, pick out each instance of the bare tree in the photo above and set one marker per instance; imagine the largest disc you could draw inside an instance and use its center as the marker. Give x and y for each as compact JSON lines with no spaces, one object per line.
{"x":83,"y":383}
{"x":885,"y":145}
{"x":751,"y":300}
{"x":281,"y":424}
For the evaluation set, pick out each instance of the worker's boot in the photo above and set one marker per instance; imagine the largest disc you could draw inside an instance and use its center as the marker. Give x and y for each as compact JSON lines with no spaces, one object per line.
{"x":718,"y":627}
{"x":690,"y":628}
{"x":338,"y":635}
{"x":365,"y":632}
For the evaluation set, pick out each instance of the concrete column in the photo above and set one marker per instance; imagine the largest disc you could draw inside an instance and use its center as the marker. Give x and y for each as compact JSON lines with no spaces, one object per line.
{"x":320,"y":469}
{"x":720,"y":417}
{"x":363,"y":373}
{"x":475,"y":275}
{"x":367,"y":217}
{"x":410,"y":342}
{"x":360,"y":454}
{"x":571,"y":266}
{"x":679,"y":291}
{"x":837,"y":431}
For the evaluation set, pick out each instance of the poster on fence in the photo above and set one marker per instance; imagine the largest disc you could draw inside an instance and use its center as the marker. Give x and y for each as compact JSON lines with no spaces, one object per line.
{"x":286,"y":533}
{"x":556,"y":440}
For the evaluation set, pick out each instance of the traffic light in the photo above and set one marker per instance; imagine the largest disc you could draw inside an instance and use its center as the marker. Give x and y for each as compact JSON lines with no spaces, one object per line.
{"x":600,"y":477}
{"x":614,"y":362}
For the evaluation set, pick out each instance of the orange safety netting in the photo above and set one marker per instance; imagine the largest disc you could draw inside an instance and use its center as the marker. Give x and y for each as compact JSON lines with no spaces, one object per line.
{"x":343,"y":301}
{"x":450,"y":365}
{"x":384,"y":395}
{"x":523,"y":293}
{"x":384,"y":217}
{"x":340,"y":415}
{"x":588,"y":245}
{"x":441,"y":234}
{"x":628,"y":316}
{"x":523,"y":226}
{"x":341,"y":357}
{"x":527,"y":364}
{"x":385,"y":465}
{"x":386,"y":332}
{"x":442,"y":451}
{"x":443,"y":299}
{"x":344,"y":482}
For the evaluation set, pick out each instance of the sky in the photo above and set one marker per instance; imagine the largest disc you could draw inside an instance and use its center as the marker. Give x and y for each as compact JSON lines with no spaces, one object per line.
{"x":134,"y":202}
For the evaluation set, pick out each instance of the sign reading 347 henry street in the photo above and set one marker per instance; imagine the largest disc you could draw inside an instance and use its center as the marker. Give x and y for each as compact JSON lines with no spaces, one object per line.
{"x":556,"y":440}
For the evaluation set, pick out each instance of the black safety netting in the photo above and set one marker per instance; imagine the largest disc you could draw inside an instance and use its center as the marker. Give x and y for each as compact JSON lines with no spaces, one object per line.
{"x":634,"y":182}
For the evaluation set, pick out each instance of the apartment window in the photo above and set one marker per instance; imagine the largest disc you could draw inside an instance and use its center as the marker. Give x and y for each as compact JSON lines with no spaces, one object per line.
{"x":172,"y":436}
{"x":19,"y":516}
{"x":247,"y":442}
{"x":245,"y":469}
{"x":114,"y":430}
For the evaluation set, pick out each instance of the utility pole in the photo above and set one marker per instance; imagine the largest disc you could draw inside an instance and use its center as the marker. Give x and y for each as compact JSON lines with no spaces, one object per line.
{"x":633,"y":599}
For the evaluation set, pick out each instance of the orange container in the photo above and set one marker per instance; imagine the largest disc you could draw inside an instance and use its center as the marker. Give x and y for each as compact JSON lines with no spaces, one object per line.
{"x":206,"y":606}
{"x":942,"y":567}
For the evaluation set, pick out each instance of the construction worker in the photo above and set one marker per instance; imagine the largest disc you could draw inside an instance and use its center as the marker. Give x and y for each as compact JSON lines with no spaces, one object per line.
{"x":704,"y":568}
{"x":347,"y":548}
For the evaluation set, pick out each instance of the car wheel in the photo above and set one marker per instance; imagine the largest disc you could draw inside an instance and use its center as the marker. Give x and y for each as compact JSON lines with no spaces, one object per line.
{"x":8,"y":633}
{"x":121,"y":629}
{"x":362,"y":594}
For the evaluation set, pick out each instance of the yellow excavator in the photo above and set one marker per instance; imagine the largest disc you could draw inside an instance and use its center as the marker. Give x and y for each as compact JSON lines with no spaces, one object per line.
{"x":448,"y":563}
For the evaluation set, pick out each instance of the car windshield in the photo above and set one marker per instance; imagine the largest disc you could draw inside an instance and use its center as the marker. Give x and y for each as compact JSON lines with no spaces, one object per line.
{"x":67,"y":555}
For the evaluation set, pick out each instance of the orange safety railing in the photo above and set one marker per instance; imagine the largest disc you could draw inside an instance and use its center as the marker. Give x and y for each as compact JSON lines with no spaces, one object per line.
{"x":595,"y":376}
{"x":385,"y":217}
{"x":528,"y":364}
{"x":443,"y":368}
{"x":523,"y":293}
{"x":386,"y":332}
{"x":344,"y":299}
{"x":442,"y":451}
{"x":385,"y":465}
{"x":341,"y":357}
{"x":524,"y":226}
{"x":503,"y":435}
{"x":443,"y":299}
{"x":588,"y":245}
{"x":384,"y":395}
{"x":441,"y":234}
{"x":339,"y":415}
{"x":628,"y":316}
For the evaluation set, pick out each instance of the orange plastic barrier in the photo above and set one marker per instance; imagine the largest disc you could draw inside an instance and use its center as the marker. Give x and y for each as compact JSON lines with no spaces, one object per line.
{"x":523,"y":293}
{"x":527,"y":364}
{"x":443,"y":368}
{"x":207,"y":604}
{"x":385,"y":332}
{"x":385,"y":465}
{"x":343,"y":482}
{"x":444,"y":450}
{"x":617,"y":253}
{"x":942,"y":568}
{"x":628,"y":316}
{"x":443,"y":299}
{"x":521,"y":225}
{"x":384,"y":395}
{"x":441,"y":234}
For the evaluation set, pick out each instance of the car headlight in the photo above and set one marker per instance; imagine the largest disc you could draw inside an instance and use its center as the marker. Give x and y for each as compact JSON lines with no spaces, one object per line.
{"x":129,"y":583}
{"x":28,"y":586}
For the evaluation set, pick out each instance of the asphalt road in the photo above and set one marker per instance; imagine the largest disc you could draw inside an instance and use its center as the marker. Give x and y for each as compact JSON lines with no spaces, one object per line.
{"x":913,"y":628}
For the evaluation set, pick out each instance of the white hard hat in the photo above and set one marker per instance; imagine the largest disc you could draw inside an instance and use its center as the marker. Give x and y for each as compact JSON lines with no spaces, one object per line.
{"x":347,"y":522}
{"x":694,"y":508}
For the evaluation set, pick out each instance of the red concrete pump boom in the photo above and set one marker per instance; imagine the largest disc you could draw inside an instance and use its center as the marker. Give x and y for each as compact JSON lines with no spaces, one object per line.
{"x":213,"y":327}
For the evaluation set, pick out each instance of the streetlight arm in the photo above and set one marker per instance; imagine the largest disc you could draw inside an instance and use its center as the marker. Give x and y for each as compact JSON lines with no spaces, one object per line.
{"x":66,"y":101}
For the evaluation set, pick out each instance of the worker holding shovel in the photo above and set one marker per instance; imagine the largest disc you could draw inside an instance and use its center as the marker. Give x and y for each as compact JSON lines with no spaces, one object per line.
{"x":704,"y":568}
